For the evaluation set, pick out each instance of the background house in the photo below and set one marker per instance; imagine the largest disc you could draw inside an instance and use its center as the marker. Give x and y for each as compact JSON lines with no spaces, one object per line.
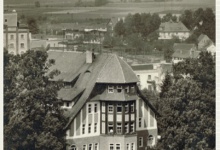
{"x":105,"y":108}
{"x":183,"y":51}
{"x":151,"y":75}
{"x":206,"y":44}
{"x":16,"y":36}
{"x":169,"y":30}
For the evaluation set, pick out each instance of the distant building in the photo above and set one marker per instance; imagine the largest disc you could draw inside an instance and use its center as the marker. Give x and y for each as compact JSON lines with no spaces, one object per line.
{"x":183,"y":51}
{"x":16,"y":37}
{"x":169,"y":30}
{"x":151,"y":75}
{"x":206,"y":44}
{"x":106,"y":110}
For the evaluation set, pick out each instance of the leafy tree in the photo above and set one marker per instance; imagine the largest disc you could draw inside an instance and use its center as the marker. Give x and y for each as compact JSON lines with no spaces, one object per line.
{"x":32,"y":25}
{"x":189,"y":106}
{"x":119,"y":28}
{"x":187,"y":19}
{"x":152,"y":96}
{"x":166,"y":84}
{"x":34,"y":119}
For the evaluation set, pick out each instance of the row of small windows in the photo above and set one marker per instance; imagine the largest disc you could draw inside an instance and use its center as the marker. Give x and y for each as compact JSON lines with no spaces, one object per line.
{"x":89,"y":128}
{"x":12,"y":45}
{"x":120,"y":88}
{"x":119,"y":108}
{"x":90,"y":147}
{"x":119,"y":128}
{"x":114,"y":146}
{"x":12,"y":37}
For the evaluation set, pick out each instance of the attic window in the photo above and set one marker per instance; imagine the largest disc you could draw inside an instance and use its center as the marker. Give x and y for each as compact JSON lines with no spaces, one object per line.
{"x":127,"y":89}
{"x":110,"y":89}
{"x":119,"y":89}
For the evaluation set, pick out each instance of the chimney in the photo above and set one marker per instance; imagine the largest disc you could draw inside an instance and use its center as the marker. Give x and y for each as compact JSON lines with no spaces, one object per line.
{"x":89,"y":57}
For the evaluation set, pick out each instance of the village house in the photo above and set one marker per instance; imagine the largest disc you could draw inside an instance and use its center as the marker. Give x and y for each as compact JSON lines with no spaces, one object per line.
{"x":151,"y":75}
{"x":170,"y":30}
{"x":206,"y":44}
{"x":183,"y":51}
{"x":105,"y":107}
{"x":16,"y":36}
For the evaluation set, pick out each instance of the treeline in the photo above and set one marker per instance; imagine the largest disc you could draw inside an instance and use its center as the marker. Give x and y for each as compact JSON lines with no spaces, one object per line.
{"x":141,"y":24}
{"x":200,"y":21}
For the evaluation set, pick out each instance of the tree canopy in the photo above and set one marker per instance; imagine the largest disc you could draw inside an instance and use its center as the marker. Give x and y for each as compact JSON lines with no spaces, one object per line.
{"x":187,"y":106}
{"x":33,"y":118}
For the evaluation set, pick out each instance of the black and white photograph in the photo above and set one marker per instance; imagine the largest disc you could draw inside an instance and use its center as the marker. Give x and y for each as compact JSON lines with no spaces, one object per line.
{"x":109,"y":74}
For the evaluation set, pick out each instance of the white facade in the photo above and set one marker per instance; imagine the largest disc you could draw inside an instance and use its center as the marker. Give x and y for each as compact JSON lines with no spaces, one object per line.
{"x":171,"y":35}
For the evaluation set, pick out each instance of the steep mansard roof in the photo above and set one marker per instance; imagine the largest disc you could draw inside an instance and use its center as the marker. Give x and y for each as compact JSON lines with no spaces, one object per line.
{"x":106,"y":68}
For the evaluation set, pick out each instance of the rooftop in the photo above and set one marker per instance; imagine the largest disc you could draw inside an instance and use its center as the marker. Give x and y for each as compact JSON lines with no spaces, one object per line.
{"x":173,"y":27}
{"x":142,"y":67}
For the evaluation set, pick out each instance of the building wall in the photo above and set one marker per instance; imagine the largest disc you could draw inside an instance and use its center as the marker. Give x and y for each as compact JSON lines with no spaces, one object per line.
{"x":204,"y":42}
{"x":143,"y":76}
{"x":176,"y":60}
{"x":17,"y":41}
{"x":170,"y":35}
{"x":10,"y":19}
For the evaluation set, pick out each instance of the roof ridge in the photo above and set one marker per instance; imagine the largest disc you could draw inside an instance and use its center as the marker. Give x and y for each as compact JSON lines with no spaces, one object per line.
{"x":121,"y":68}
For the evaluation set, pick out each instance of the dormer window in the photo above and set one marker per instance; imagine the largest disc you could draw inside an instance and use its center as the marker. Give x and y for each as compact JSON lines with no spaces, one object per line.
{"x":119,"y":89}
{"x":132,"y":89}
{"x":110,"y":89}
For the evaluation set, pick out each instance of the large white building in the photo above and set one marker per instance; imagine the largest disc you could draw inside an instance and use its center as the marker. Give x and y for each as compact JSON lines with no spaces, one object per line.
{"x":16,"y":37}
{"x":151,"y":75}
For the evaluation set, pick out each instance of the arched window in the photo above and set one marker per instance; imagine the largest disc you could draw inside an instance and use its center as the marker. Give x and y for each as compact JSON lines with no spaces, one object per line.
{"x":150,"y":140}
{"x":73,"y":147}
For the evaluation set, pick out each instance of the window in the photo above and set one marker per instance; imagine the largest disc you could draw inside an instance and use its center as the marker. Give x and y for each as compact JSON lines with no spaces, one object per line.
{"x":139,"y":122}
{"x":95,"y":127}
{"x":132,"y":107}
{"x":67,"y":104}
{"x":128,"y":147}
{"x":126,"y":108}
{"x":110,"y":89}
{"x":89,"y":108}
{"x":149,"y":77}
{"x":95,"y":108}
{"x":119,"y":89}
{"x":138,"y":76}
{"x":83,"y":129}
{"x":110,"y":108}
{"x":132,"y":146}
{"x":127,"y":89}
{"x":73,"y":147}
{"x":103,"y":106}
{"x":150,"y":140}
{"x":132,"y":127}
{"x":111,"y":147}
{"x":119,"y":128}
{"x":11,"y":45}
{"x":6,"y":20}
{"x":110,"y":128}
{"x":89,"y":128}
{"x":90,"y":146}
{"x":126,"y":127}
{"x":84,"y":147}
{"x":12,"y":37}
{"x":119,"y":108}
{"x":118,"y":147}
{"x":140,"y":141}
{"x":96,"y":146}
{"x":22,"y":36}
